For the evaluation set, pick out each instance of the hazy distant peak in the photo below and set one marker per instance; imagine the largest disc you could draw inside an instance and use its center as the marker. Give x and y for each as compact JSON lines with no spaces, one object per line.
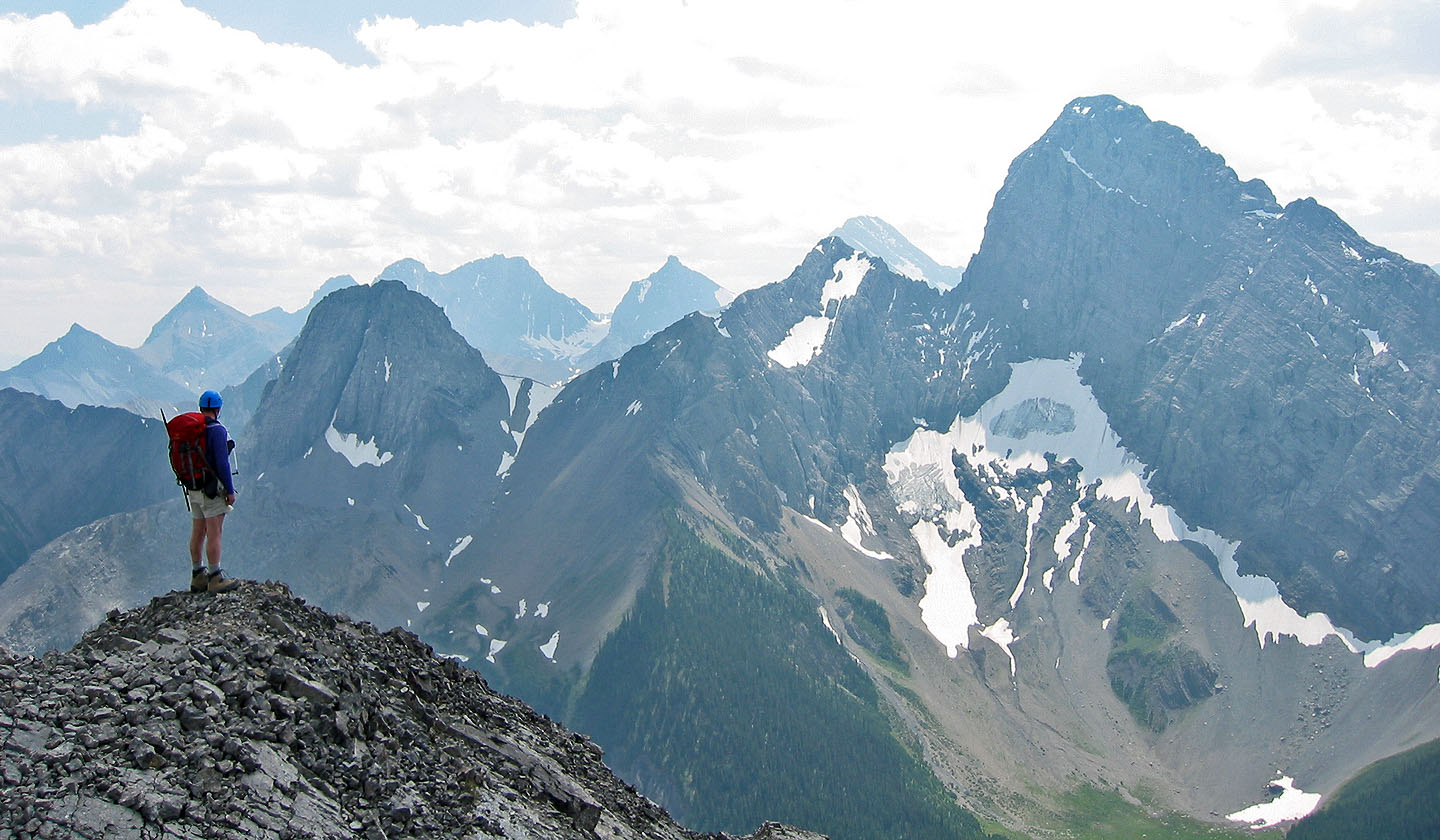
{"x":1103,"y":105}
{"x":879,"y":238}
{"x":76,"y":331}
{"x":407,"y":271}
{"x":196,"y":295}
{"x":340,"y":281}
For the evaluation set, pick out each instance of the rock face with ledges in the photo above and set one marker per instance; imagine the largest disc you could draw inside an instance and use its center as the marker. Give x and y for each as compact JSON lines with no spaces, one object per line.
{"x":1277,"y":371}
{"x":381,"y":402}
{"x":251,"y":715}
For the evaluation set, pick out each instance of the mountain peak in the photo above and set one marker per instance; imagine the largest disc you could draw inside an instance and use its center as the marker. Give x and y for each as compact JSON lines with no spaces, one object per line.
{"x":197,"y":300}
{"x":339,"y":281}
{"x":1103,"y":105}
{"x":879,"y":238}
{"x":651,"y":304}
{"x":403,"y":269}
{"x":197,"y":296}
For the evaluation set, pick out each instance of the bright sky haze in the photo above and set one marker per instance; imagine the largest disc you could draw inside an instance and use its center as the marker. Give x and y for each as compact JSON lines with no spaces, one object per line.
{"x":258,"y":148}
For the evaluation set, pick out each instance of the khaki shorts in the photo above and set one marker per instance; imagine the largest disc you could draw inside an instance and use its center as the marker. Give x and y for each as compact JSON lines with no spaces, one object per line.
{"x":204,"y":507}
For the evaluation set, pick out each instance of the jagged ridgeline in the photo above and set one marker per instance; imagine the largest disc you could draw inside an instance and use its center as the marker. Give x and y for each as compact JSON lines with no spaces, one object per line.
{"x":1138,"y":516}
{"x":252,"y":715}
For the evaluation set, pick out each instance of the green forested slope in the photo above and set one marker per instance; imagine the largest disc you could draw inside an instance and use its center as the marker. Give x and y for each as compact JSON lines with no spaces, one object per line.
{"x":722,"y":695}
{"x":1394,"y":799}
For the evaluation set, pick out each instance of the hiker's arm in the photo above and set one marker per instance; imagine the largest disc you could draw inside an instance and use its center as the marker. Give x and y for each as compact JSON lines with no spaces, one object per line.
{"x":218,"y":444}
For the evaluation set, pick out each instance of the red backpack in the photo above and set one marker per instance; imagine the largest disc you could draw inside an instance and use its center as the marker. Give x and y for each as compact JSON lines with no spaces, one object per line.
{"x":189,"y":456}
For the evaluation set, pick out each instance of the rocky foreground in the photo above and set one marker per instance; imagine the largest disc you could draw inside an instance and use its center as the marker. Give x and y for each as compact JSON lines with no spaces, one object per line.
{"x":250,"y":714}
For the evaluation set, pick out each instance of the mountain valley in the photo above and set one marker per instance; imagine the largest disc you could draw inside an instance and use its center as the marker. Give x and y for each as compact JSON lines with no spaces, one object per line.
{"x":1141,"y":504}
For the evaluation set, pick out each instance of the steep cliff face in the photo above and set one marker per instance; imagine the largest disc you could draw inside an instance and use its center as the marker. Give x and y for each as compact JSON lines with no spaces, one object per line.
{"x":1276,"y":370}
{"x":252,"y":715}
{"x":382,"y":403}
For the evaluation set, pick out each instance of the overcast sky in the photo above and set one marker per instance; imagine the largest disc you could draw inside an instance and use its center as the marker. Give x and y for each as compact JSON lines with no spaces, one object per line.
{"x":258,"y":147}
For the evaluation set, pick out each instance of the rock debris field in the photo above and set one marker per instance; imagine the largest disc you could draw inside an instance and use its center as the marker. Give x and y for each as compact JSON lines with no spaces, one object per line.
{"x":251,"y":714}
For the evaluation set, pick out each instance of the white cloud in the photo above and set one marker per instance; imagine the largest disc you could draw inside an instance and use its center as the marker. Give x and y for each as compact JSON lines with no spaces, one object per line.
{"x":732,"y":134}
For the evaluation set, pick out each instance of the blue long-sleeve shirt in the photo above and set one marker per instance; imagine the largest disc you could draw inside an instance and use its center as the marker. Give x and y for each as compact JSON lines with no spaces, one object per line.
{"x":217,"y":443}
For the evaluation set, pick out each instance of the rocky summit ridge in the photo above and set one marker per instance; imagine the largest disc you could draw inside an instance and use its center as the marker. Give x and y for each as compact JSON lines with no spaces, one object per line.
{"x":252,"y":714}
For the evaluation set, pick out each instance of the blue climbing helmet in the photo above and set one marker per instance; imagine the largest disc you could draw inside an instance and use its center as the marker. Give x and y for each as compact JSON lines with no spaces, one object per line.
{"x":210,"y":399}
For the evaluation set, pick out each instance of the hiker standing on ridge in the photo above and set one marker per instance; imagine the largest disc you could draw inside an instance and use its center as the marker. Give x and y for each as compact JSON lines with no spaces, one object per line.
{"x":209,"y":504}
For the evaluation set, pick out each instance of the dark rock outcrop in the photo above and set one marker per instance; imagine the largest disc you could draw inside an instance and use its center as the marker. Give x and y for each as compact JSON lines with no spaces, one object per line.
{"x":252,"y":715}
{"x":380,"y":401}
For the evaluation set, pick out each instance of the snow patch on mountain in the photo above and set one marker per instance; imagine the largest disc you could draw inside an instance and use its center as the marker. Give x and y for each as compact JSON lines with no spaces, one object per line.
{"x":460,"y":545}
{"x":353,"y":449}
{"x":1376,"y":345}
{"x":802,"y":343}
{"x":879,"y":238}
{"x":858,"y":523}
{"x":549,"y":647}
{"x":1426,"y":638}
{"x":1068,"y":530}
{"x":1119,"y":476}
{"x":1032,"y":517}
{"x":1001,"y":634}
{"x":1013,"y":431}
{"x":1080,"y":558}
{"x":807,"y":337}
{"x":923,"y":481}
{"x":512,"y":388}
{"x":1291,"y":804}
{"x":825,"y":619}
{"x":419,"y":521}
{"x":849,"y":272}
{"x":1002,"y":435}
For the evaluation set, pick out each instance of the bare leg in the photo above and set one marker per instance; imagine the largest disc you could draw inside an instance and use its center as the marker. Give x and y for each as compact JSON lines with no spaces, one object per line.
{"x":197,"y":538}
{"x":212,"y":528}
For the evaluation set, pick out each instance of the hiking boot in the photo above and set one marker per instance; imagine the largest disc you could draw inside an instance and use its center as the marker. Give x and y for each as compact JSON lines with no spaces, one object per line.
{"x":199,"y":581}
{"x":217,"y":582}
